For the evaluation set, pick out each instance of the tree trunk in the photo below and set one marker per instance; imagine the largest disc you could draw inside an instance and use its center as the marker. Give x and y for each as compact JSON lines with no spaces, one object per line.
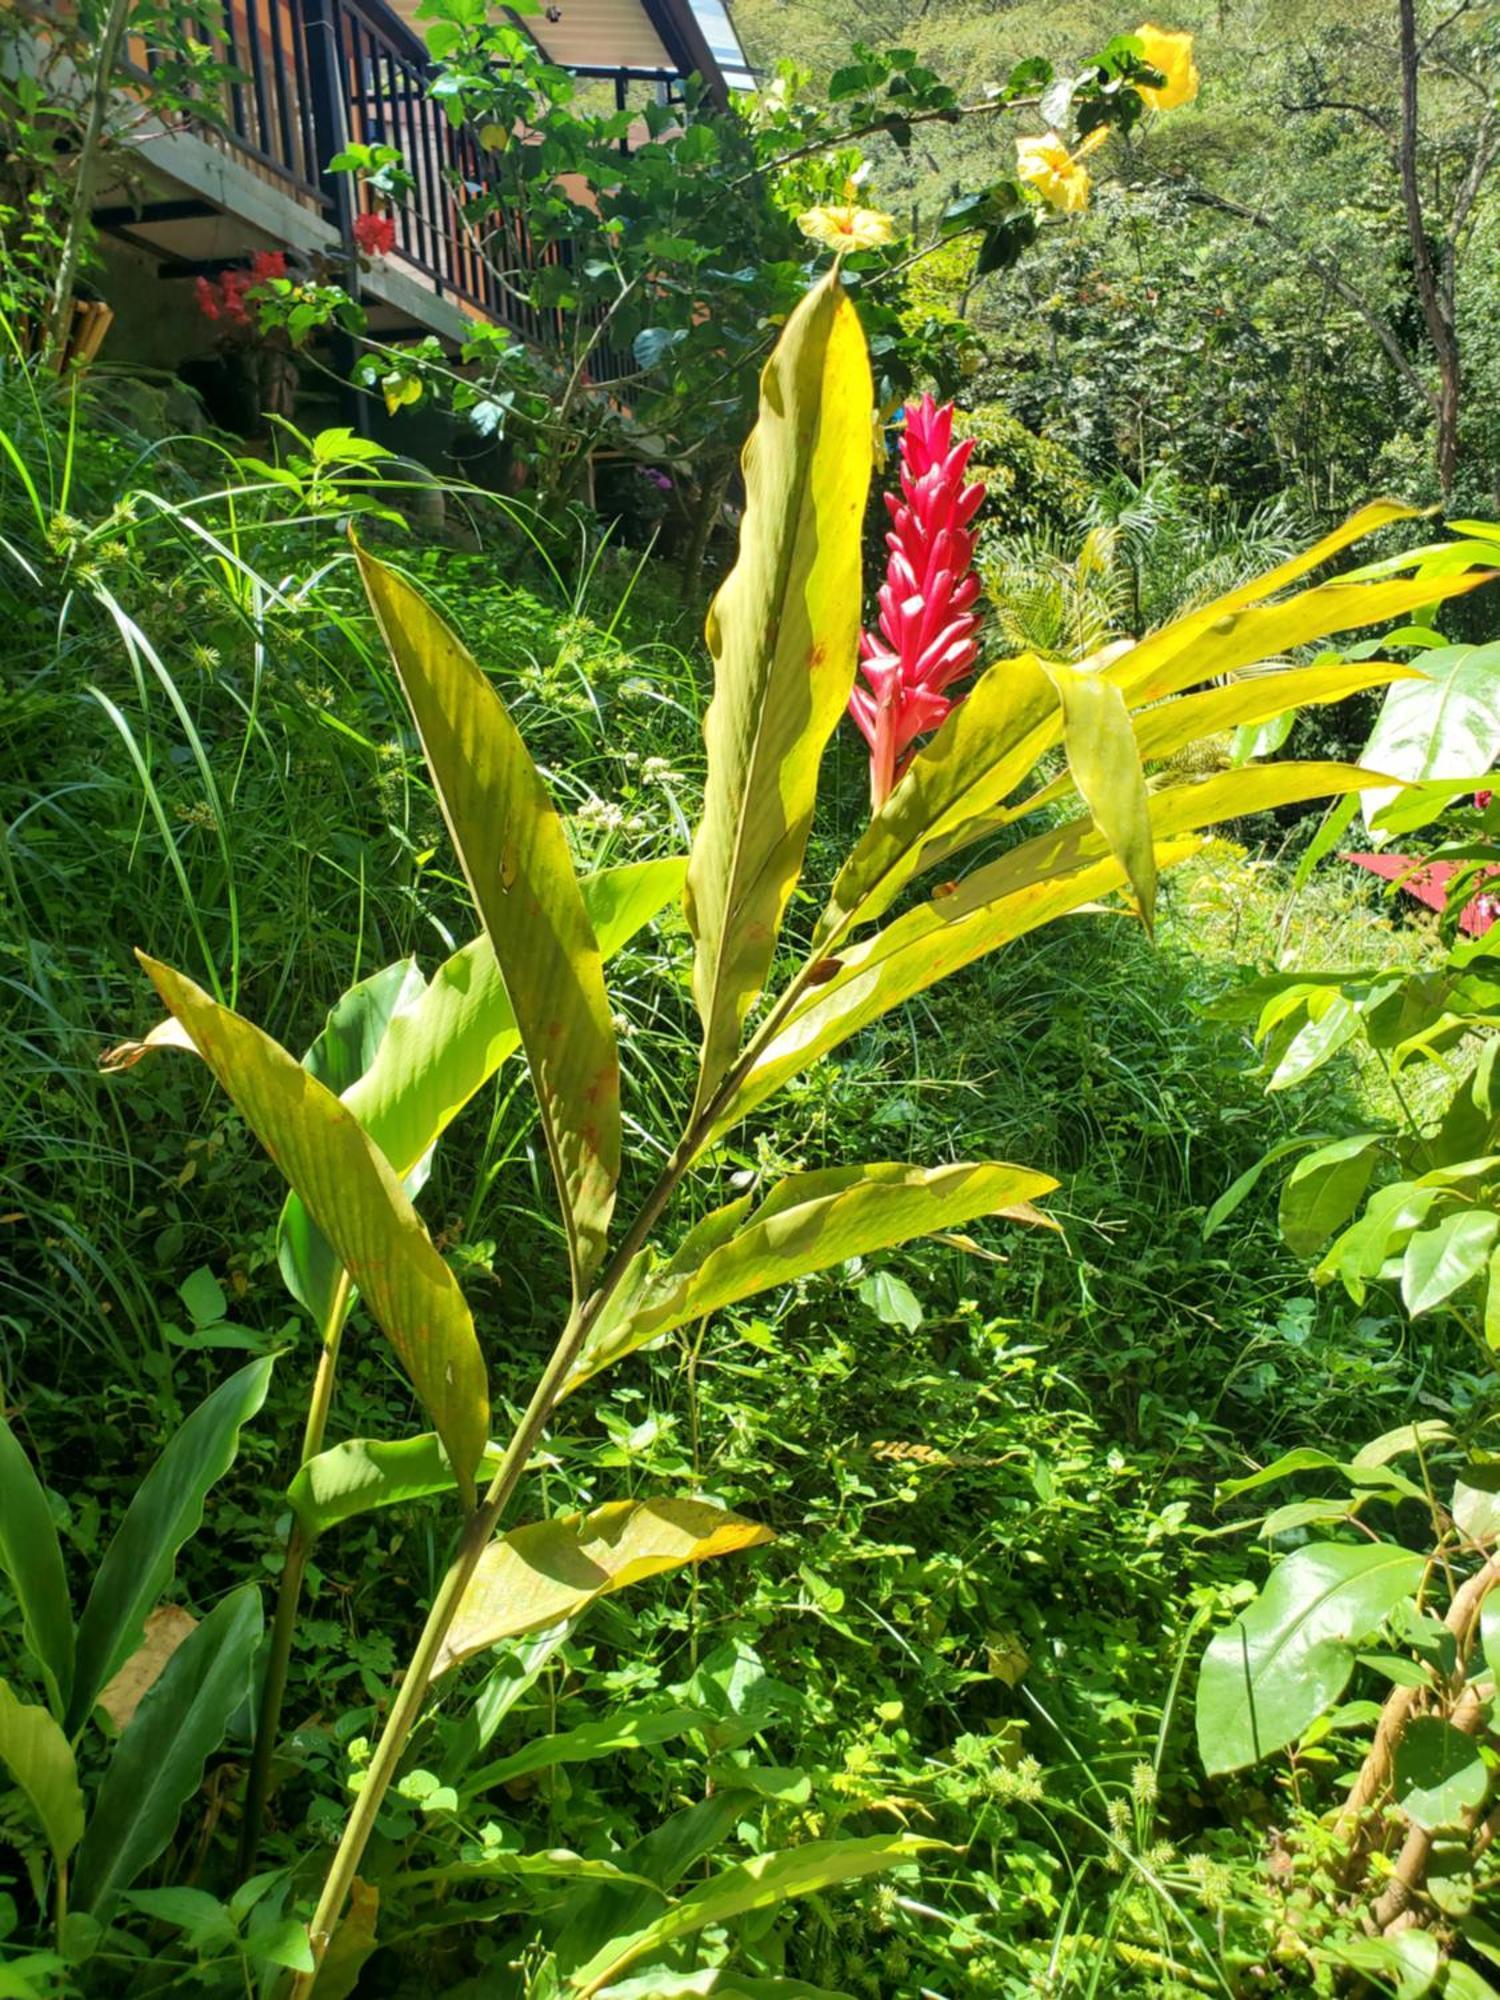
{"x":1437,"y":311}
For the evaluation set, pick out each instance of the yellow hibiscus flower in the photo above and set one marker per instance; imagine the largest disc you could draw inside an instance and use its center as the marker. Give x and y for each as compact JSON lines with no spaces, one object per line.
{"x":1060,"y":178}
{"x":847,"y":227}
{"x":1173,"y":56}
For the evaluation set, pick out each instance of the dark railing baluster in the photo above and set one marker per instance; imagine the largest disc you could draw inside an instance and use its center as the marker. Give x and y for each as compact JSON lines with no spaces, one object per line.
{"x":283,"y":106}
{"x":264,"y":137}
{"x":232,"y":61}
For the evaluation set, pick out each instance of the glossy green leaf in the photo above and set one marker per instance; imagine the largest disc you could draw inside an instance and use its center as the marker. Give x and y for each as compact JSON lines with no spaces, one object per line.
{"x":1391,"y":1216}
{"x":784,"y":635}
{"x":158,"y":1762}
{"x":808,"y":1222}
{"x":760,"y":1884}
{"x":514,"y":852}
{"x":551,"y":1570}
{"x":1438,"y":1774}
{"x":1438,"y":1261}
{"x":360,"y":1475}
{"x":165,"y":1512}
{"x":1106,"y":769}
{"x":35,"y":1754}
{"x":31,"y":1560}
{"x":1445,"y":724}
{"x":1410,"y":1961}
{"x":354,"y":1195}
{"x":1324,"y":1189}
{"x":1244,"y":1185}
{"x":1288,"y":1656}
{"x":1475,"y":1505}
{"x":444,"y":1045}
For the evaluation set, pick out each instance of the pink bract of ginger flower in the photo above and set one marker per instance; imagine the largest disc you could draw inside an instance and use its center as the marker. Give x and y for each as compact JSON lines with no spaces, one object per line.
{"x":926,"y":640}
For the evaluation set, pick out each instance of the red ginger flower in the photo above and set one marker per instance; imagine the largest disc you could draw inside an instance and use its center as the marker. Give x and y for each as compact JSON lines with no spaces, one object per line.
{"x":375,"y":234}
{"x":926,"y":639}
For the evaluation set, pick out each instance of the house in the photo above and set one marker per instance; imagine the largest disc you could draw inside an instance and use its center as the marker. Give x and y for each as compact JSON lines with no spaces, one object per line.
{"x":314,"y":76}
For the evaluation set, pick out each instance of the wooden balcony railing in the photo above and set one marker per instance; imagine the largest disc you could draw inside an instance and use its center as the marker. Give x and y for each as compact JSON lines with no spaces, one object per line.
{"x":312,"y":77}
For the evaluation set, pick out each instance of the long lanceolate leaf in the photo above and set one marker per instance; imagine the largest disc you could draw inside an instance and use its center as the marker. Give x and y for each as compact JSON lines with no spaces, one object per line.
{"x":31,"y":1559}
{"x":809,"y":1222}
{"x":36,"y":1756}
{"x":1044,"y":878}
{"x":753,"y":1885}
{"x":957,"y":785}
{"x":444,"y":1043}
{"x":354,"y":1195}
{"x":783,"y":632}
{"x":551,"y":1570}
{"x":514,"y":853}
{"x":158,"y":1762}
{"x":166,"y":1510}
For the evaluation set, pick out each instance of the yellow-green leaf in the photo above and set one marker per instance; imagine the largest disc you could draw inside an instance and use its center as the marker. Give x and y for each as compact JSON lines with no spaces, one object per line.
{"x":356,"y":1198}
{"x":440,"y":1047}
{"x":809,"y":1222}
{"x":759,"y":1884}
{"x":514,"y":853}
{"x":1106,"y":768}
{"x":551,"y":1570}
{"x":1045,"y":877}
{"x":987,"y":746}
{"x":36,"y":1755}
{"x":784,"y":634}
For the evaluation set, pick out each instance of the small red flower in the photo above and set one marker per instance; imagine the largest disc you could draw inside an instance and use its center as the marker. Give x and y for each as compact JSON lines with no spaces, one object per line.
{"x":375,"y":234}
{"x":927,"y":624}
{"x":267,"y":264}
{"x":210,"y":301}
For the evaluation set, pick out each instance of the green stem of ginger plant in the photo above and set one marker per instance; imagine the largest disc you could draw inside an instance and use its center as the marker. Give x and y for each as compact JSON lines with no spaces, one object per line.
{"x":289,"y":1591}
{"x":481,"y":1524}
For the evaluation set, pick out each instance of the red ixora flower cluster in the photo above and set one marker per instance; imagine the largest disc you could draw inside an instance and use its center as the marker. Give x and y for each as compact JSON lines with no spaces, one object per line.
{"x":375,"y":234}
{"x":225,"y":300}
{"x":926,"y":640}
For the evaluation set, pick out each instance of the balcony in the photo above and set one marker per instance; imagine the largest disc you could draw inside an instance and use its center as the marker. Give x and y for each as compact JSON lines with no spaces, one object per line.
{"x":314,"y":76}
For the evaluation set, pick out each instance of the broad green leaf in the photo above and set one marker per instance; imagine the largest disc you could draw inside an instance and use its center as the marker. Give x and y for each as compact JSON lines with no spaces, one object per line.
{"x":636,"y":1728}
{"x":1244,"y":1185}
{"x":809,"y":1222}
{"x":362,"y":1474}
{"x":1411,"y":1961}
{"x":345,"y":1047}
{"x":761,"y":1884}
{"x":1289,"y":1655}
{"x":1404,"y":1438}
{"x":438,"y":1051}
{"x":784,"y":634}
{"x":35,"y":1755}
{"x":1361,"y":1251}
{"x":1045,"y":877}
{"x":1106,"y":769}
{"x":1332,"y":1022}
{"x":165,"y":1512}
{"x":1475,"y":1505}
{"x":1489,"y":1634}
{"x":31,"y":1559}
{"x":551,"y":1570}
{"x":1445,"y":724}
{"x":354,"y":1195}
{"x":158,"y":1762}
{"x":1439,"y":1260}
{"x":1323,"y":1190}
{"x":514,"y":852}
{"x":1438,"y":1774}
